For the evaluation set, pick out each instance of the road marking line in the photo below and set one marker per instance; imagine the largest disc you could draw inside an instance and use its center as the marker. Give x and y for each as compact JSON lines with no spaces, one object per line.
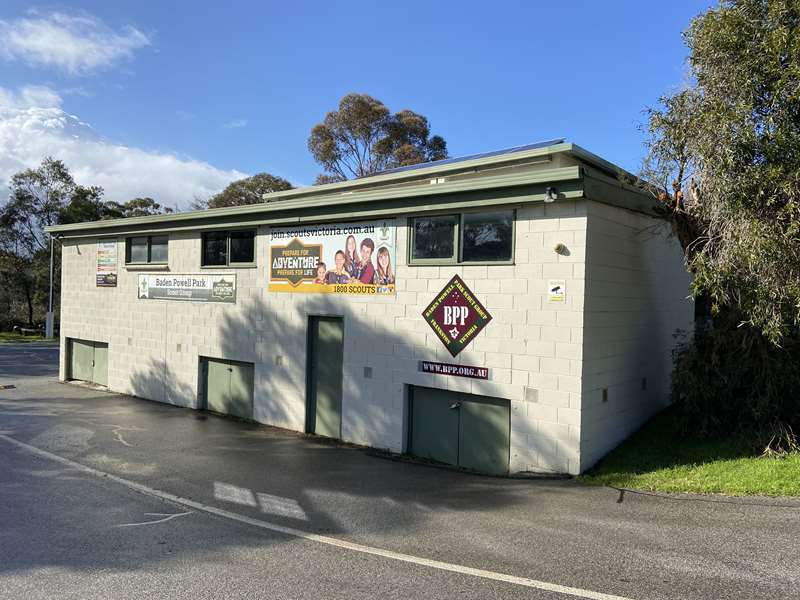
{"x":167,"y":517}
{"x":322,"y":539}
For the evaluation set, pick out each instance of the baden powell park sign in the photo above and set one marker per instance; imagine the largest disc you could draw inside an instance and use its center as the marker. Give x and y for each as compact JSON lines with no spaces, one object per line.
{"x":201,"y":287}
{"x":456,"y":315}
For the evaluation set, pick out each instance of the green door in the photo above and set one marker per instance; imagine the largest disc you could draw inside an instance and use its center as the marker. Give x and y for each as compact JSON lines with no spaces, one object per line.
{"x":324,"y":376}
{"x":229,"y":387}
{"x":467,"y":430}
{"x":218,"y":385}
{"x":434,"y":425}
{"x":81,"y":359}
{"x":100,"y":364}
{"x":241,"y":390}
{"x":483,"y":435}
{"x":88,"y":361}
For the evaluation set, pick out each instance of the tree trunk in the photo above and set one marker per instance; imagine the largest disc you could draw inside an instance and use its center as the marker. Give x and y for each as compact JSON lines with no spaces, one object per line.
{"x":703,"y":319}
{"x":29,"y":300}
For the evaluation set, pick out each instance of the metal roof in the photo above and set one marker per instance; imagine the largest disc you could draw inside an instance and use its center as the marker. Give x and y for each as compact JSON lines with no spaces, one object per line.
{"x":458,"y":159}
{"x":408,"y":191}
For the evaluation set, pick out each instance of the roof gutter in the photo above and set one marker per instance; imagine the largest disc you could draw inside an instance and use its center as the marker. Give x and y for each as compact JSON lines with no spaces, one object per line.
{"x":340,"y":204}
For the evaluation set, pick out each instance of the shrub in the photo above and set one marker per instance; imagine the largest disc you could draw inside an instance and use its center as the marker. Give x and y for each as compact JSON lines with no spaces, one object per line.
{"x":734,"y":381}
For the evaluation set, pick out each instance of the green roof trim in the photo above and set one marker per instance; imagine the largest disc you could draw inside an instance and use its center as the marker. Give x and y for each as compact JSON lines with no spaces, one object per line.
{"x":398,"y":193}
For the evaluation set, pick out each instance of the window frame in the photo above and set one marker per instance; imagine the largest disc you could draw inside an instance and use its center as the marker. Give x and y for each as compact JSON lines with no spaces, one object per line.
{"x":149,"y":261}
{"x":458,"y":242}
{"x":228,"y":264}
{"x":453,"y":260}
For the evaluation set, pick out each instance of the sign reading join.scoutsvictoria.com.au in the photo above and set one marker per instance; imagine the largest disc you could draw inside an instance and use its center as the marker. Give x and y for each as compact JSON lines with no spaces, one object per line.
{"x":456,"y":315}
{"x":341,"y":258}
{"x":196,"y":288}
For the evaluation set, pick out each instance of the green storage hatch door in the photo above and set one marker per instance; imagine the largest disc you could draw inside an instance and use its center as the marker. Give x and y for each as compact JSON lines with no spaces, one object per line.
{"x":467,"y":430}
{"x":229,"y":387}
{"x":81,"y":360}
{"x":434,"y":424}
{"x":241,"y":390}
{"x":483,"y":439}
{"x":100,"y":365}
{"x":218,"y":384}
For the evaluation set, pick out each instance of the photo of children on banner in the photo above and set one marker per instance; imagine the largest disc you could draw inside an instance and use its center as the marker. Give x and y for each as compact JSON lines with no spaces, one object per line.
{"x":338,"y":275}
{"x":351,"y":259}
{"x":321,"y":270}
{"x":353,"y":267}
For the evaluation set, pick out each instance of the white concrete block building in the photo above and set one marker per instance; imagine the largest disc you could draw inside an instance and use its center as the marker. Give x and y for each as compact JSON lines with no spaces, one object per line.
{"x":270,"y":313}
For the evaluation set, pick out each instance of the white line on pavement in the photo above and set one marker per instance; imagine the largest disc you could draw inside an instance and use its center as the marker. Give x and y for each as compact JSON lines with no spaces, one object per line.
{"x":322,"y":539}
{"x":167,"y":517}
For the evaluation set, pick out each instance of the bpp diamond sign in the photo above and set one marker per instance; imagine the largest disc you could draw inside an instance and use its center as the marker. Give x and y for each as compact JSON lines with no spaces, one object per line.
{"x":456,"y":315}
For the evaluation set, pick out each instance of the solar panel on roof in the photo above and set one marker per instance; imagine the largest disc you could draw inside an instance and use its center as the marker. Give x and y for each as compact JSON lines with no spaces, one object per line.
{"x":449,"y":161}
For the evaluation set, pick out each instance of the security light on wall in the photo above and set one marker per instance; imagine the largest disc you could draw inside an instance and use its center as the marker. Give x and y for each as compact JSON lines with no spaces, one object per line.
{"x":550,"y":195}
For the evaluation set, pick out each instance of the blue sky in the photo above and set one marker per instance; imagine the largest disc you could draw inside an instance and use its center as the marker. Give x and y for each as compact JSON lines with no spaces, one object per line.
{"x":235,"y":87}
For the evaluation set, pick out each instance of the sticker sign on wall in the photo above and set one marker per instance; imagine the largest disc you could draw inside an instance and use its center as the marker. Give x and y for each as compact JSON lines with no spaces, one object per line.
{"x":456,"y":315}
{"x":556,"y":290}
{"x":107,"y":263}
{"x":337,"y":258}
{"x":196,"y":288}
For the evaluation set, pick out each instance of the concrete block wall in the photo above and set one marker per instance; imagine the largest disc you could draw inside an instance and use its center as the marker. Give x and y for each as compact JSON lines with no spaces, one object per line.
{"x":533,"y":348}
{"x":636,"y":299}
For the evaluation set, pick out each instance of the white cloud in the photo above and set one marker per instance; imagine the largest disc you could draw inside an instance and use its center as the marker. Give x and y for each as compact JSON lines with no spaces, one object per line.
{"x":33,"y":125}
{"x":76,"y":44}
{"x":235,"y":124}
{"x":30,"y":95}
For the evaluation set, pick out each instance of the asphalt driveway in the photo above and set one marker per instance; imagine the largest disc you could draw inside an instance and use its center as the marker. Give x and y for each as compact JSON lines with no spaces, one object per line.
{"x":339,"y":520}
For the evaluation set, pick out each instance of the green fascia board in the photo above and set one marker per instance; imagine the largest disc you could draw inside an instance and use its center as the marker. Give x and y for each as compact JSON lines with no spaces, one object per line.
{"x":423,"y":173}
{"x":608,"y":190}
{"x":599,"y":163}
{"x":509,"y":159}
{"x":337,"y":204}
{"x":509,"y":197}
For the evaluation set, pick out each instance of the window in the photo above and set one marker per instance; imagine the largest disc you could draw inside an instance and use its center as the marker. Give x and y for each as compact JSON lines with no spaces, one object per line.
{"x":215,"y":248}
{"x":435,"y":237}
{"x":151,"y":249}
{"x":487,"y":237}
{"x":473,"y":237}
{"x":223,"y":248}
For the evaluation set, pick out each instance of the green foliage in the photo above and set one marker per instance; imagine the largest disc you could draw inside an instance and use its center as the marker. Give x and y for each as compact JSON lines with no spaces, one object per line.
{"x":36,"y":200}
{"x":746,"y":58}
{"x":733,"y":379}
{"x":84,"y":204}
{"x":46,"y":195}
{"x":363,"y":137}
{"x":137,"y":207}
{"x":249,"y":190}
{"x":10,"y":337}
{"x":658,"y":458}
{"x":737,"y":132}
{"x":725,"y":157}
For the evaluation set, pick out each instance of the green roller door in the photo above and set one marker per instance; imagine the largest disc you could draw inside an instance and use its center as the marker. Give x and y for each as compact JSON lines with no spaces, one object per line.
{"x":324,"y":376}
{"x":88,"y":361}
{"x":229,"y":387}
{"x":460,"y":429}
